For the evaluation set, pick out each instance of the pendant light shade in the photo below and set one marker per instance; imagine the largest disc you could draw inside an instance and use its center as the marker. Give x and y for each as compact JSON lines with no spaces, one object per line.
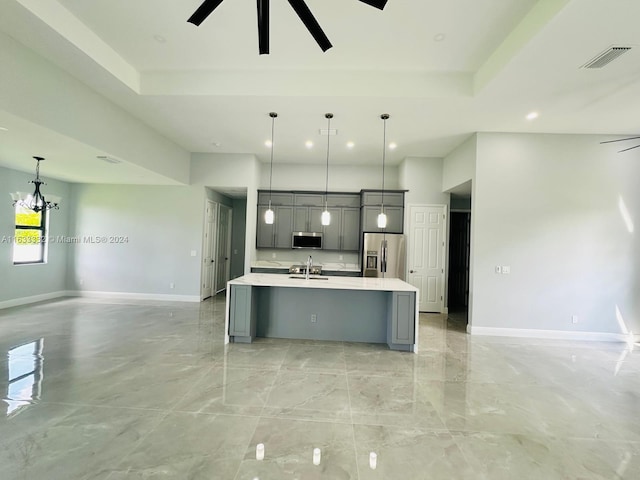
{"x":325,"y":218}
{"x":382,"y":217}
{"x":269,"y":216}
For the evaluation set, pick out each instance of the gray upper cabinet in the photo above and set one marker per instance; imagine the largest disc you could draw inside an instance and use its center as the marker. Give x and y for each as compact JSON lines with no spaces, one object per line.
{"x":302,"y":212}
{"x":375,"y":198}
{"x":264,"y":232}
{"x":351,"y":229}
{"x":307,"y":219}
{"x":343,"y":200}
{"x":283,"y":226}
{"x":277,"y":235}
{"x":277,"y":198}
{"x":308,"y":199}
{"x":395,"y":219}
{"x":344,"y":231}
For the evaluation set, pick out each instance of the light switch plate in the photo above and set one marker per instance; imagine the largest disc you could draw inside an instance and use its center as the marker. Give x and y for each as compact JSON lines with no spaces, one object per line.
{"x":498,"y":269}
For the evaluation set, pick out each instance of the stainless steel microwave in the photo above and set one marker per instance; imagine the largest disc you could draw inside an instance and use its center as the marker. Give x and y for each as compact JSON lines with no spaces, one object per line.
{"x":306,"y":240}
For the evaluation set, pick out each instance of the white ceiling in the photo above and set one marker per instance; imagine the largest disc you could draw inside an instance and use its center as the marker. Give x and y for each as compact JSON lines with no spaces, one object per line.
{"x":442,"y":69}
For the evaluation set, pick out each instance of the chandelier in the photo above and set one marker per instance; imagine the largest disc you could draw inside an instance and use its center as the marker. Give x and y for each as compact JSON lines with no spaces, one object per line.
{"x":35,"y":201}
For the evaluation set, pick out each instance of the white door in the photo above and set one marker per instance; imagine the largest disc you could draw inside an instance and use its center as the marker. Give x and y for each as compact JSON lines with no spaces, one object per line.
{"x":223,"y":254}
{"x":208,"y":249}
{"x":426,"y":254}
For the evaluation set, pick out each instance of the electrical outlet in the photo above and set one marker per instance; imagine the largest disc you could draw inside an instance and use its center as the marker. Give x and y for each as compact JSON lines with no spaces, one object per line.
{"x":273,"y":255}
{"x":506,"y":269}
{"x":314,"y":318}
{"x":574,"y":318}
{"x":172,"y":285}
{"x":498,"y":269}
{"x":193,"y":253}
{"x":340,"y":257}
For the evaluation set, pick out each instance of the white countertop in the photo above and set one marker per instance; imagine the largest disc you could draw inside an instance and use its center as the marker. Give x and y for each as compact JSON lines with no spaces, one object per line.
{"x":332,"y":283}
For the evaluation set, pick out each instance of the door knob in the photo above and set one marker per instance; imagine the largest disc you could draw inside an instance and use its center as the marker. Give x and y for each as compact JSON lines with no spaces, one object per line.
{"x":410,"y":271}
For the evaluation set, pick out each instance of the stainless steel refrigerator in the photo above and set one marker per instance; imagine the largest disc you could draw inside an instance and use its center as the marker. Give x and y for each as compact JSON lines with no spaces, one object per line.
{"x":384,"y":255}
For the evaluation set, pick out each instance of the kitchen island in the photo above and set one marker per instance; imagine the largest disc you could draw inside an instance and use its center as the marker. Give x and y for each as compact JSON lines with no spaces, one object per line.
{"x":352,"y":309}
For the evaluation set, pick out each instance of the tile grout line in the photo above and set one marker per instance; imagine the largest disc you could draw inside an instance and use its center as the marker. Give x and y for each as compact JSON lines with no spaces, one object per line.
{"x":261,"y":414}
{"x":353,"y":431}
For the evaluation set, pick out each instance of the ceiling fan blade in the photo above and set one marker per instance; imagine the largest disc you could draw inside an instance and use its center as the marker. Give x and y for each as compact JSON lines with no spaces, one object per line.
{"x":203,"y":11}
{"x":310,"y":22}
{"x":376,"y":3}
{"x":627,"y":149}
{"x":620,"y":140}
{"x":263,"y":26}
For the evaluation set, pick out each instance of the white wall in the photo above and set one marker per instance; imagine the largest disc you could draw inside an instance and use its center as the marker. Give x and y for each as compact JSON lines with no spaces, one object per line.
{"x":35,"y":89}
{"x":162,"y":225}
{"x":342,"y":178}
{"x":549,"y":206}
{"x":23,"y":281}
{"x":460,"y":165}
{"x":423,"y":178}
{"x":223,"y":171}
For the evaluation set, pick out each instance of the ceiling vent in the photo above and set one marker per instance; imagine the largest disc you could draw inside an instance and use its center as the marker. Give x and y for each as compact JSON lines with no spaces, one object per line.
{"x":606,"y":57}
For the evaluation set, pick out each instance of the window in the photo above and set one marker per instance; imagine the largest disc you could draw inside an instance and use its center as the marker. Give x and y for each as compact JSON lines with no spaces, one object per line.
{"x":30,"y":241}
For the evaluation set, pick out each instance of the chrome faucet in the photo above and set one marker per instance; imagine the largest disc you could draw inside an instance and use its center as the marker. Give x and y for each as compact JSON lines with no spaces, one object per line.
{"x":309,"y":265}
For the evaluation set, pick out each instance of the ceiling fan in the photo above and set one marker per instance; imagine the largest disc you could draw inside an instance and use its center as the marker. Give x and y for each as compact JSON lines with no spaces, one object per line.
{"x":300,"y":7}
{"x":624,"y":140}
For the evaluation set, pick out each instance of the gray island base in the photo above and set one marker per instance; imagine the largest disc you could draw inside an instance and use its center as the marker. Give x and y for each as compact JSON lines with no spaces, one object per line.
{"x":372,"y":310}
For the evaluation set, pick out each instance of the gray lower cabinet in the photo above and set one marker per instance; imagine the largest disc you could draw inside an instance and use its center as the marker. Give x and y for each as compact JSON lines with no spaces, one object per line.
{"x":242,"y":314}
{"x":402,"y":315}
{"x":277,"y":235}
{"x":395,"y":219}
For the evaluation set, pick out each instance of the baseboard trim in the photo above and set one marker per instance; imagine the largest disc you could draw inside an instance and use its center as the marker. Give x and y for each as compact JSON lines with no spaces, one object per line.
{"x":133,"y":296}
{"x":552,"y":334}
{"x":16,"y":302}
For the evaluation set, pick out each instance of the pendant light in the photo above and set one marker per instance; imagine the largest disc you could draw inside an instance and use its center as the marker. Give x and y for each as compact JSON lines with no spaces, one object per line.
{"x":382,"y":217}
{"x":269,"y":215}
{"x":35,"y":201}
{"x":326,"y":216}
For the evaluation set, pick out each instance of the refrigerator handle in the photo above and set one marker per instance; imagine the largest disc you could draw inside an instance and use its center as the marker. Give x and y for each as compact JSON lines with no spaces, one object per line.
{"x":383,"y":263}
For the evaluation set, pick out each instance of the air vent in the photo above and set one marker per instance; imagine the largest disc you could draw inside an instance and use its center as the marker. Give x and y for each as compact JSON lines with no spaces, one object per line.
{"x":325,"y":132}
{"x":107,"y":159}
{"x":606,"y":57}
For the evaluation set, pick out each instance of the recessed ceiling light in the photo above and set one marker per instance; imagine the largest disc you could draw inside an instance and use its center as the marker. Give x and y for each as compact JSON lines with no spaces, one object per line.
{"x":393,"y":146}
{"x":350,"y":145}
{"x":308,"y":144}
{"x":159,"y":38}
{"x":532,"y":116}
{"x":4,"y":129}
{"x":267,"y":143}
{"x":439,"y":37}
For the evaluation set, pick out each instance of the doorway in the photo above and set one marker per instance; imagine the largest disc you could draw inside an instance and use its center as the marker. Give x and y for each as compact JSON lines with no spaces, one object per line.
{"x":459,"y":262}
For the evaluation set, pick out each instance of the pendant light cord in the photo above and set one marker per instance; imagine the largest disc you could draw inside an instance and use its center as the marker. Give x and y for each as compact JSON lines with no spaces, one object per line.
{"x":273,"y":116}
{"x":329,"y":116}
{"x":384,"y":118}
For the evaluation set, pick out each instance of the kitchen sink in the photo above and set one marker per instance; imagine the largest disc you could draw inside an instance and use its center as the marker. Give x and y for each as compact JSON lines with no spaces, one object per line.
{"x":302,"y":277}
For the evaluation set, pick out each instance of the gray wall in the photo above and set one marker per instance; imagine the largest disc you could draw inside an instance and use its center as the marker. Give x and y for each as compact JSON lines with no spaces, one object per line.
{"x":423,"y":178}
{"x":163,"y":224}
{"x":551,"y":207}
{"x":21,"y":281}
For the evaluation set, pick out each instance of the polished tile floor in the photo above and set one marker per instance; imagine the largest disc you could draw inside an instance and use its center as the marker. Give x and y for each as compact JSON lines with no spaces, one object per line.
{"x":143,"y":390}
